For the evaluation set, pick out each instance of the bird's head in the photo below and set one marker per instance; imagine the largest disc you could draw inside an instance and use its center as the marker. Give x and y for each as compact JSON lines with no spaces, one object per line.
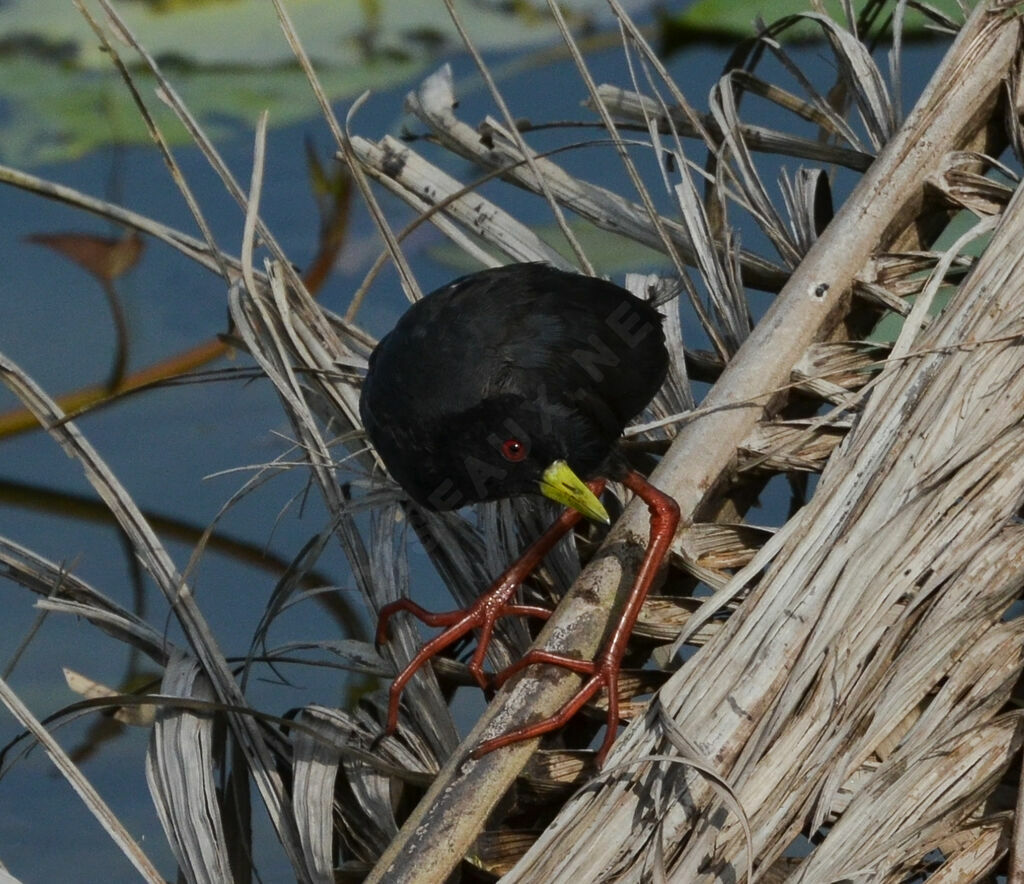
{"x":506,"y":446}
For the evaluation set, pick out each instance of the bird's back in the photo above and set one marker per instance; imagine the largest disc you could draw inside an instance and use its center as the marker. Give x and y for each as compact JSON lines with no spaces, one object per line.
{"x":514,"y":329}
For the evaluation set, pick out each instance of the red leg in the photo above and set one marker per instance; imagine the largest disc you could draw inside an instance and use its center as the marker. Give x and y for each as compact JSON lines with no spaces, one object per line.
{"x":482,"y":614}
{"x":603,"y":672}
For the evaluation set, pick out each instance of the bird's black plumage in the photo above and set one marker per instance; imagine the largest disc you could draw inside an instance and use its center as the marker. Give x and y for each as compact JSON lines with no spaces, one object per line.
{"x":490,"y":379}
{"x":510,"y":381}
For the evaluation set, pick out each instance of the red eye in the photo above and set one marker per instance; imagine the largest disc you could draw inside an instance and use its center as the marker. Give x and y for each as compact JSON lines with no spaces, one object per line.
{"x":513,"y":450}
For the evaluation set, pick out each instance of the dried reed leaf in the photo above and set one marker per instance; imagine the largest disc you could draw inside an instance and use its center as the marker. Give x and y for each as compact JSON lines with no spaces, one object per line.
{"x":82,"y":787}
{"x":89,"y":689}
{"x":429,"y":189}
{"x":635,"y":108}
{"x":314,"y":770}
{"x":180,"y":768}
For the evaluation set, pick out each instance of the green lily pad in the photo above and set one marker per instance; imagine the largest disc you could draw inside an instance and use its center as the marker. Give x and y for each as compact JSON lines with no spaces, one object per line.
{"x":728,"y":21}
{"x":228,"y":59}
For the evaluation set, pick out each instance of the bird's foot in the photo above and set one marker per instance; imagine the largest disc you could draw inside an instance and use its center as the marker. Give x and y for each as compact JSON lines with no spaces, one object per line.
{"x":603,"y":673}
{"x":482,"y":615}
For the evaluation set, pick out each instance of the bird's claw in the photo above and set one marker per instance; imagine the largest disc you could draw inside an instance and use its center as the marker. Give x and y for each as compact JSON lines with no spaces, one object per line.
{"x":603,"y":673}
{"x":482,"y":615}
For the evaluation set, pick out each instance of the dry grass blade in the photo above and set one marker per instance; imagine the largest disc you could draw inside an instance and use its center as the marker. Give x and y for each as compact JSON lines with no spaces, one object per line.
{"x":314,"y":769}
{"x":438,"y":196}
{"x":158,"y":139}
{"x":870,"y":94}
{"x":192,"y":248}
{"x":512,"y":130}
{"x":62,"y":591}
{"x":85,"y":790}
{"x":637,"y":109}
{"x":180,"y":767}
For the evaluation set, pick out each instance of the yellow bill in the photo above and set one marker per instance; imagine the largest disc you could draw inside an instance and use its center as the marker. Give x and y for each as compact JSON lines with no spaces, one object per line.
{"x":562,"y":485}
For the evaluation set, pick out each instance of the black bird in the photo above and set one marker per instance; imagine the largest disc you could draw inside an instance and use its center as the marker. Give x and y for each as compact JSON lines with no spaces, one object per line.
{"x":519,"y":380}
